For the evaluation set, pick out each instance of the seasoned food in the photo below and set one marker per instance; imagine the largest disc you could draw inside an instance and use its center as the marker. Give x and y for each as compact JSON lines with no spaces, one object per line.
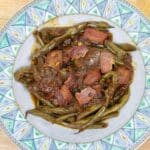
{"x":78,"y":76}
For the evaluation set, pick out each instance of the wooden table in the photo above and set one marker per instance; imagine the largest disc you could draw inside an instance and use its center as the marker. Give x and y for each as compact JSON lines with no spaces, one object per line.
{"x":7,"y":9}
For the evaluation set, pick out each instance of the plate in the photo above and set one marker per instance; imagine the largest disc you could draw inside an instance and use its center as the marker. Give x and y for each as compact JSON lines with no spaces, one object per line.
{"x":124,"y":132}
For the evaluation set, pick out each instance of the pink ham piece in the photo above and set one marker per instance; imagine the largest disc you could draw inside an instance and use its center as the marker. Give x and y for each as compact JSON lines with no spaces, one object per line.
{"x":85,"y":95}
{"x":66,"y":94}
{"x":92,"y":76}
{"x":54,"y":59}
{"x":124,"y":75}
{"x":95,"y":36}
{"x":78,"y":51}
{"x":106,"y":61}
{"x":71,"y":81}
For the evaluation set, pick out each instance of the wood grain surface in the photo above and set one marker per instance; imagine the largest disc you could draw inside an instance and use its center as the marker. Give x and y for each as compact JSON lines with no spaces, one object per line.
{"x":8,"y":8}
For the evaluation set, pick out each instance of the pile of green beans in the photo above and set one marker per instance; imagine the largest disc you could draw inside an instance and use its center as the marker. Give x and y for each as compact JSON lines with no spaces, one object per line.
{"x":92,"y":117}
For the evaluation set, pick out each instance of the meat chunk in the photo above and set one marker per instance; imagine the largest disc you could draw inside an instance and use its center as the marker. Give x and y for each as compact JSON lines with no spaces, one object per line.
{"x":66,"y":93}
{"x":91,"y":59}
{"x":85,"y":95}
{"x":106,"y":61}
{"x":95,"y":36}
{"x":67,"y":54}
{"x":71,"y":81}
{"x":54,"y":59}
{"x":124,"y":75}
{"x":63,"y":96}
{"x":98,"y":88}
{"x":92,"y":76}
{"x":78,"y":51}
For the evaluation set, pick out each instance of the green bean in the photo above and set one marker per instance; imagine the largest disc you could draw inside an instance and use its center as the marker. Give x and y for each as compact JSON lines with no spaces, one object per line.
{"x":71,"y":119}
{"x":57,"y":110}
{"x":108,"y":75}
{"x":69,"y":125}
{"x":41,"y":114}
{"x":98,"y":126}
{"x":42,"y":99}
{"x":119,"y":53}
{"x":111,"y":115}
{"x":24,"y":75}
{"x":117,"y":107}
{"x":95,"y":118}
{"x":64,"y":117}
{"x":38,"y":38}
{"x":89,"y":111}
{"x":101,"y":25}
{"x":126,"y":47}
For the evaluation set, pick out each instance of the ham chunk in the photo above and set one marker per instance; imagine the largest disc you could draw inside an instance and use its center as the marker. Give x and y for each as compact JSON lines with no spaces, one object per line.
{"x":106,"y":61}
{"x":78,"y":51}
{"x":54,"y":59}
{"x":85,"y":95}
{"x":66,"y":94}
{"x":92,"y":76}
{"x":97,"y":88}
{"x":71,"y":81}
{"x":124,"y":75}
{"x":95,"y":36}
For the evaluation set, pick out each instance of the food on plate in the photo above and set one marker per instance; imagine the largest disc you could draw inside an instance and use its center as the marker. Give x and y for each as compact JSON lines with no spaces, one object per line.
{"x":78,"y":75}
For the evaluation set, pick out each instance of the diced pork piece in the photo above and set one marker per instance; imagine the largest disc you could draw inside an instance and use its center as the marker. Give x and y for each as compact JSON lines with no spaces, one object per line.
{"x":106,"y":61}
{"x":95,"y":36}
{"x":85,"y":95}
{"x":66,"y":93}
{"x":92,"y":76}
{"x":124,"y":75}
{"x":54,"y":59}
{"x":91,"y":59}
{"x":78,"y":51}
{"x":98,"y":88}
{"x":71,"y":81}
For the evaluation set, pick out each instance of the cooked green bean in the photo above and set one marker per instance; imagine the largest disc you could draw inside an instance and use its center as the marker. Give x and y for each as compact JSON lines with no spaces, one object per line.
{"x":111,"y":115}
{"x":57,"y":110}
{"x":38,"y":38}
{"x":89,"y":111}
{"x":117,"y":107}
{"x":101,"y":25}
{"x":96,"y":117}
{"x":43,"y":100}
{"x":64,"y":117}
{"x":41,"y":114}
{"x":126,"y":47}
{"x":119,"y":52}
{"x":98,"y":126}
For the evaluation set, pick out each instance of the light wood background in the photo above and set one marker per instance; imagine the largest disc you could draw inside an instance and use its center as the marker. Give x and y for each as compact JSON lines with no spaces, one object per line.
{"x":7,"y":9}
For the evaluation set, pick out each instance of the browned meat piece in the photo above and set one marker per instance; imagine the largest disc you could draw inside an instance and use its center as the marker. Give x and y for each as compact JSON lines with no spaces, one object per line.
{"x":106,"y":61}
{"x":91,"y":59}
{"x":62,"y":96}
{"x":54,"y":59}
{"x":78,"y":51}
{"x":85,"y":95}
{"x":71,"y":81}
{"x":67,"y":54}
{"x":92,"y":76}
{"x":124,"y":75}
{"x":66,"y":94}
{"x":98,"y":88}
{"x":95,"y":36}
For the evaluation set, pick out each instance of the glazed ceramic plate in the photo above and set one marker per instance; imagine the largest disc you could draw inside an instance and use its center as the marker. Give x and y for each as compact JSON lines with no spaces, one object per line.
{"x":126,"y":131}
